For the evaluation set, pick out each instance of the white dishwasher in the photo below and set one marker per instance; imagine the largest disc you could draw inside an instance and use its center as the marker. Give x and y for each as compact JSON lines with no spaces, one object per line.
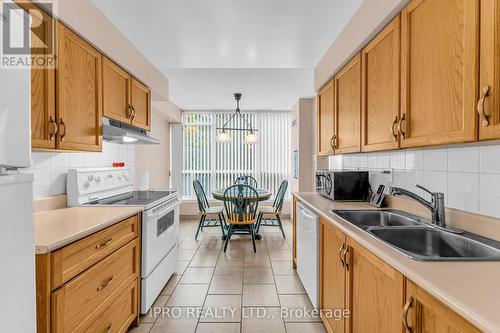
{"x":308,"y":252}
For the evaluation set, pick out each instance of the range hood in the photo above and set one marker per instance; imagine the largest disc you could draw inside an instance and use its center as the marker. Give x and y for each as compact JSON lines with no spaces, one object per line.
{"x":118,"y":132}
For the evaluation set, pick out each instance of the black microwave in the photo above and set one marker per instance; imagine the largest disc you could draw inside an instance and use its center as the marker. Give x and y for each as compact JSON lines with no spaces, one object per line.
{"x":343,"y":185}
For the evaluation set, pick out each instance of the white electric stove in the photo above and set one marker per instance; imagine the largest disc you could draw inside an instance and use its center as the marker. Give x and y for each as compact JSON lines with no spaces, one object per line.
{"x":160,"y":220}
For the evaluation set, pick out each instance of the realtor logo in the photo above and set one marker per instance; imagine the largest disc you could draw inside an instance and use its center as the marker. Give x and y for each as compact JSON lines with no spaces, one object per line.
{"x":27,"y":36}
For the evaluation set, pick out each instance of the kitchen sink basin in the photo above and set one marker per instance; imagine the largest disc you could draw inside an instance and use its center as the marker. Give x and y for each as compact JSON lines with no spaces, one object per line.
{"x":377,"y":218}
{"x":430,"y":244}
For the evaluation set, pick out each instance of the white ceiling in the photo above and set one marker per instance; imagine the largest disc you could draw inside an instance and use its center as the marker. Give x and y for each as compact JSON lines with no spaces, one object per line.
{"x":232,"y":36}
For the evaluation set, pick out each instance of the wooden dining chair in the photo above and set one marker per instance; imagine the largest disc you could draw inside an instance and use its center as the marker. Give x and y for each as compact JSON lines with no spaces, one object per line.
{"x":241,"y":204}
{"x":209,"y":216}
{"x":269,"y":216}
{"x":246,"y":180}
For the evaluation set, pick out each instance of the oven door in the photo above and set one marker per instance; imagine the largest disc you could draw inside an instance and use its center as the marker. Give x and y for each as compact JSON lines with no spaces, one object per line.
{"x":160,"y":233}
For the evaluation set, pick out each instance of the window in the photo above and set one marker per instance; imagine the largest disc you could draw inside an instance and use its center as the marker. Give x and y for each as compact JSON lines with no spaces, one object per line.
{"x":216,"y":165}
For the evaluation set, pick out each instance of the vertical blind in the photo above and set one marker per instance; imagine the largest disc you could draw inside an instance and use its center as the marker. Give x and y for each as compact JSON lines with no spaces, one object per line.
{"x":216,"y":165}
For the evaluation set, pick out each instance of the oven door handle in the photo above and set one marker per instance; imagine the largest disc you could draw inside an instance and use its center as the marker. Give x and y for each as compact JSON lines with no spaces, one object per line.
{"x":163,"y":212}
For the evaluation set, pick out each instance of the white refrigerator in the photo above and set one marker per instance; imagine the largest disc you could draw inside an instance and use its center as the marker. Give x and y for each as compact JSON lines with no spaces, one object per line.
{"x":17,"y":253}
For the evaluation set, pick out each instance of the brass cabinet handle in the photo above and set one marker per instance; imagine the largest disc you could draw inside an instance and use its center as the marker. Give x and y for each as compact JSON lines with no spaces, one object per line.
{"x":344,"y":256}
{"x":62,"y":130}
{"x":480,"y":106}
{"x":394,"y":123}
{"x":129,"y":111}
{"x":404,"y":314}
{"x":105,"y":284}
{"x":53,"y":128}
{"x":335,"y":141}
{"x":104,"y":244}
{"x":133,"y":113}
{"x":332,"y":142}
{"x":108,"y":328}
{"x":400,"y":126}
{"x":340,"y":255}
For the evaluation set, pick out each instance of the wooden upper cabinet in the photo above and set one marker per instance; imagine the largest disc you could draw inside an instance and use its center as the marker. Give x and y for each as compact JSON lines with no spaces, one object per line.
{"x":348,"y":107}
{"x":380,"y":91}
{"x":374,"y":294}
{"x":489,"y":79}
{"x":439,"y":72}
{"x":116,"y":91}
{"x":79,"y":103}
{"x":43,"y":110}
{"x":424,"y":313}
{"x":326,"y":117}
{"x":332,"y":276}
{"x":141,"y":105}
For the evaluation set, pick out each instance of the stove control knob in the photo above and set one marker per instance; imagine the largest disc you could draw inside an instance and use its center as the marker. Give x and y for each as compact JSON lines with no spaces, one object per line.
{"x":86,"y":185}
{"x":119,"y":177}
{"x":97,"y":179}
{"x":91,"y":178}
{"x":125,"y":177}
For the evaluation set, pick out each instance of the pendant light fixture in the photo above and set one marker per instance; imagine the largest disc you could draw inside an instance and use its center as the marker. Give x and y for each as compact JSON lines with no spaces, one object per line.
{"x":223,"y":135}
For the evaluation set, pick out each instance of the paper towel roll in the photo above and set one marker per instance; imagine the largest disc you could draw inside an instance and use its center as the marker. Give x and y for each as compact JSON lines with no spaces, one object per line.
{"x":143,"y":180}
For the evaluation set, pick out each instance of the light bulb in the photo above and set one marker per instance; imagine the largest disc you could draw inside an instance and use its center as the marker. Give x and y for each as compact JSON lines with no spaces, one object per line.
{"x":251,"y":139}
{"x":223,"y":137}
{"x":128,"y":139}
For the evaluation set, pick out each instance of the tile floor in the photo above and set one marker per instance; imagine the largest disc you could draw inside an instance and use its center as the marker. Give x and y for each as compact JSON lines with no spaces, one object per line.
{"x":234,"y":292}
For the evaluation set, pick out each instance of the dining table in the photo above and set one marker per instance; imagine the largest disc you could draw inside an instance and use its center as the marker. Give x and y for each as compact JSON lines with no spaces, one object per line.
{"x":262,"y":195}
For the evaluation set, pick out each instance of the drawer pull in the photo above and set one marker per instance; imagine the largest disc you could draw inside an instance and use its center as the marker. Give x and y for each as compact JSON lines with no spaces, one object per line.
{"x":105,"y":284}
{"x":108,"y":328}
{"x":106,"y":243}
{"x":404,"y":315}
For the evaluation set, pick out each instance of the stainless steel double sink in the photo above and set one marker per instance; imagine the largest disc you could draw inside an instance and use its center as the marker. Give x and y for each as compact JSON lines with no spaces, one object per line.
{"x":418,"y":239}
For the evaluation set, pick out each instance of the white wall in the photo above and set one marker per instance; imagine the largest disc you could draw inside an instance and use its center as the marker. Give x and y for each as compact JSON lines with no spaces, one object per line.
{"x":50,"y":169}
{"x":469,"y":176}
{"x":156,"y":158}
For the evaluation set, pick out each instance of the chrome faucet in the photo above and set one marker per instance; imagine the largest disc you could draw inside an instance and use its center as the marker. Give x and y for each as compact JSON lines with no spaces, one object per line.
{"x":436,"y":205}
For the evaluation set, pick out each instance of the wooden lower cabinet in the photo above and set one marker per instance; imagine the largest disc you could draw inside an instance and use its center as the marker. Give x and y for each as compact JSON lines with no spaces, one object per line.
{"x":333,"y":277}
{"x":102,"y":297}
{"x":361,"y":293}
{"x":427,"y":314}
{"x":375,"y":292}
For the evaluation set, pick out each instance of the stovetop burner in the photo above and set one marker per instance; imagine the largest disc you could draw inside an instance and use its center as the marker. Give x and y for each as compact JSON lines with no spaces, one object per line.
{"x":134,"y":198}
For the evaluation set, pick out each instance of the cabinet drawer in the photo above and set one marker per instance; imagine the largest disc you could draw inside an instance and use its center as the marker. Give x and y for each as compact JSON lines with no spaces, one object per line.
{"x":77,"y":299}
{"x":118,"y":312}
{"x":73,"y":259}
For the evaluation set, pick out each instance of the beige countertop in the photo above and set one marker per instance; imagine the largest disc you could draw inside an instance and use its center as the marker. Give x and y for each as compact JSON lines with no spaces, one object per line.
{"x":472,"y":289}
{"x":59,"y":227}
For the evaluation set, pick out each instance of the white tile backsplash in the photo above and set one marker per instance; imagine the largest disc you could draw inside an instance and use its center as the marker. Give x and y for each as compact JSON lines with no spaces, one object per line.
{"x":50,"y":168}
{"x":469,"y":176}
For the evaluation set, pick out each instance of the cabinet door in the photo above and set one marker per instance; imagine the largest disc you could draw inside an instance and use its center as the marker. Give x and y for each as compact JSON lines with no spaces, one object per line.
{"x":43,"y":110}
{"x":332,"y":276}
{"x":348,"y":107}
{"x":489,"y":85}
{"x":439,"y":72}
{"x":115,"y":92}
{"x":426,"y":314}
{"x":381,"y":90}
{"x":79,"y":101}
{"x":325,"y":115}
{"x":375,"y":293}
{"x":141,"y":105}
